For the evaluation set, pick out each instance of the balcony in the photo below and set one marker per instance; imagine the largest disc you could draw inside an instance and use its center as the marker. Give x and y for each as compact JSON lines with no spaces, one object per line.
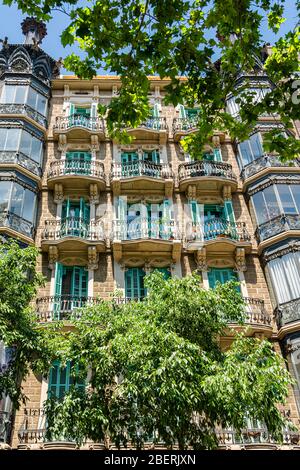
{"x":76,"y":174}
{"x":79,"y":126}
{"x":262,"y":165}
{"x":14,"y":159}
{"x":5,"y":427}
{"x":15,"y":226}
{"x":17,"y":110}
{"x":73,"y":233}
{"x":152,"y":129}
{"x":62,"y":307}
{"x":276,"y":229}
{"x":142,"y":175}
{"x":209,"y":177}
{"x":143,"y":235}
{"x":254,"y":438}
{"x":184,"y":126}
{"x":288,"y":315}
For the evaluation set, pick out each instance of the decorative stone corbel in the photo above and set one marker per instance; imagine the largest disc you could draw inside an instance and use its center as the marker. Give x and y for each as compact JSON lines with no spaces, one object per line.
{"x":52,"y":256}
{"x":147,"y":266}
{"x":114,"y":90}
{"x":200,"y":258}
{"x":94,"y":143}
{"x":58,"y":193}
{"x":227,"y":192}
{"x":176,"y":250}
{"x":62,"y":142}
{"x":216,"y":141}
{"x":93,"y":257}
{"x":94,"y":194}
{"x":240,"y":259}
{"x":191,"y":192}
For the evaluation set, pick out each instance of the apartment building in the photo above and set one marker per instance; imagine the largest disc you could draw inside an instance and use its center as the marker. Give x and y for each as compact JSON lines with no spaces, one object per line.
{"x":105,"y":214}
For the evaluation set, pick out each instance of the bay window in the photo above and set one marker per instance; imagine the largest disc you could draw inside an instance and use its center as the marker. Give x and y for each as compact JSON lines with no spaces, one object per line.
{"x":21,"y":140}
{"x":18,"y":200}
{"x":276,"y":200}
{"x":250,"y":149}
{"x":21,"y":94}
{"x":285,"y":277}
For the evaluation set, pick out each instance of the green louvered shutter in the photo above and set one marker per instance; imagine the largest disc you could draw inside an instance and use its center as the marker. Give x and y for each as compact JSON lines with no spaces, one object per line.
{"x":71,"y":109}
{"x":134,"y":283}
{"x":59,"y":380}
{"x":165,"y":271}
{"x":58,"y":291}
{"x":166,"y":228}
{"x":122,"y":219}
{"x":182,"y":112}
{"x":229,"y":215}
{"x":217,"y":155}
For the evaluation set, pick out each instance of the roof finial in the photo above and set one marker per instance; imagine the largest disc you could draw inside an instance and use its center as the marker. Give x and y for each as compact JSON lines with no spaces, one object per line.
{"x":34,"y":31}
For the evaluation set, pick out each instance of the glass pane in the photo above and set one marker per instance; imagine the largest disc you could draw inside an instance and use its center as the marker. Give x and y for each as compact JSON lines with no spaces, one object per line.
{"x":8,"y":94}
{"x":295,"y":188}
{"x":17,"y":199}
{"x":31,"y":99}
{"x":20,"y":94}
{"x":25,"y":144}
{"x":260,"y":208}
{"x":286,"y":199}
{"x":41,"y":104}
{"x":256,"y":146}
{"x":12,"y":139}
{"x":36,"y":149}
{"x":272,"y":204}
{"x":245,"y":152}
{"x":2,"y":138}
{"x":29,"y":205}
{"x":5,"y":187}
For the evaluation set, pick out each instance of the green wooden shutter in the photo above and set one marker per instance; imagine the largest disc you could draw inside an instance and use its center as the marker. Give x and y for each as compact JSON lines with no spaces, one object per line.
{"x":122,"y":218}
{"x":65,"y":209}
{"x":221,"y":275}
{"x":228,"y":211}
{"x":71,"y":109}
{"x":59,"y":380}
{"x":58,"y":278}
{"x":196,"y":211}
{"x":155,"y":110}
{"x":134,"y":283}
{"x":182,"y":113}
{"x":165,"y":271}
{"x":217,"y":155}
{"x":79,"y":282}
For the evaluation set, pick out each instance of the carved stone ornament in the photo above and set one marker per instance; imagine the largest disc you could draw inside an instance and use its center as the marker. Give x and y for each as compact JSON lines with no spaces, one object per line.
{"x":93,"y":257}
{"x":52,"y":256}
{"x":191,"y":192}
{"x":94,"y":194}
{"x":227,"y":192}
{"x":216,"y":141}
{"x":58,"y":193}
{"x":200,"y":258}
{"x":240,"y":259}
{"x":62,"y":142}
{"x":94,"y":142}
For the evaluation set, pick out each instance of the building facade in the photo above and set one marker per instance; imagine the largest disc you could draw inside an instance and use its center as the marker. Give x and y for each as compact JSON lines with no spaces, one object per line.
{"x":104,"y":214}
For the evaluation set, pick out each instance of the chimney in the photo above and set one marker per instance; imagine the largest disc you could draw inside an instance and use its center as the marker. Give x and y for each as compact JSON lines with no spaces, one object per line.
{"x":34,"y":31}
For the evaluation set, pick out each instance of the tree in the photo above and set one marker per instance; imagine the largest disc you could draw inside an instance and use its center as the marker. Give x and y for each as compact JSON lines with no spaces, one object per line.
{"x":157,"y":371}
{"x":208,"y":43}
{"x":29,"y":346}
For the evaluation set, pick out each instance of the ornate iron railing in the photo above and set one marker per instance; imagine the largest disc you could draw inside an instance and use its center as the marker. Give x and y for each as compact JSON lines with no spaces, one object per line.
{"x":73,"y":227}
{"x":75,"y":167}
{"x":62,"y":307}
{"x":203,"y":168}
{"x":265,"y":161}
{"x":185,"y":124}
{"x":7,"y":156}
{"x":64,"y":123}
{"x":144,"y":228}
{"x":141,"y":168}
{"x":279,"y":224}
{"x":259,"y":435}
{"x":33,"y":428}
{"x":5,"y":426}
{"x":15,"y":222}
{"x":14,"y":108}
{"x":256,"y":313}
{"x":287,"y":312}
{"x":215,"y":229}
{"x":152,"y":123}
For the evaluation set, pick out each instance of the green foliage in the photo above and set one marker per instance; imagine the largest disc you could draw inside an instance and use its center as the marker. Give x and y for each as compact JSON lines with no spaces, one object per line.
{"x":175,"y":39}
{"x":18,"y":286}
{"x":157,"y":371}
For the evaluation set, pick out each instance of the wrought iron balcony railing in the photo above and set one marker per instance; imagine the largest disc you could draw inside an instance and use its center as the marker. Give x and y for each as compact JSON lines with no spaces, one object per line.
{"x":73,"y":227}
{"x":64,"y":123}
{"x":287,"y":312}
{"x":17,"y":223}
{"x":33,"y":428}
{"x":141,"y":168}
{"x":12,"y":157}
{"x":265,"y":161}
{"x":279,"y":224}
{"x":144,"y":228}
{"x":256,"y":313}
{"x":65,"y":167}
{"x":254,"y":436}
{"x":215,"y":229}
{"x":203,"y":168}
{"x":152,"y":123}
{"x":14,"y":108}
{"x":5,"y":426}
{"x":185,"y":124}
{"x":62,"y":307}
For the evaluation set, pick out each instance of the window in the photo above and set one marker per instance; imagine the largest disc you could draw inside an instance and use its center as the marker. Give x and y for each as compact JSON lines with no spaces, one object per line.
{"x":251,"y":149}
{"x":62,"y":378}
{"x":31,"y":146}
{"x":275,"y":200}
{"x":9,"y":139}
{"x":37,"y":101}
{"x":18,"y":200}
{"x":134,"y":283}
{"x":14,"y":94}
{"x":285,"y":276}
{"x":295,"y":358}
{"x":221,"y":275}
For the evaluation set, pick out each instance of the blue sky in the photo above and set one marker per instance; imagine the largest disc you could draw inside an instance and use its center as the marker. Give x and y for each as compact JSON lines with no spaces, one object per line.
{"x":11,"y":17}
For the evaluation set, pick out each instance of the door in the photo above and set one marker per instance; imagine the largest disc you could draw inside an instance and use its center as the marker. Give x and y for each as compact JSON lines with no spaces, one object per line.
{"x":79,"y":287}
{"x":134,"y":283}
{"x":75,"y":219}
{"x":130,"y":164}
{"x":214,"y":221}
{"x":57,"y":301}
{"x":82,"y":116}
{"x":78,"y":163}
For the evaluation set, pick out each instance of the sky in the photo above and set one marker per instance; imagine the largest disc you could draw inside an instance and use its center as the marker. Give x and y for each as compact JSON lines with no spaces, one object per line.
{"x":11,"y":18}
